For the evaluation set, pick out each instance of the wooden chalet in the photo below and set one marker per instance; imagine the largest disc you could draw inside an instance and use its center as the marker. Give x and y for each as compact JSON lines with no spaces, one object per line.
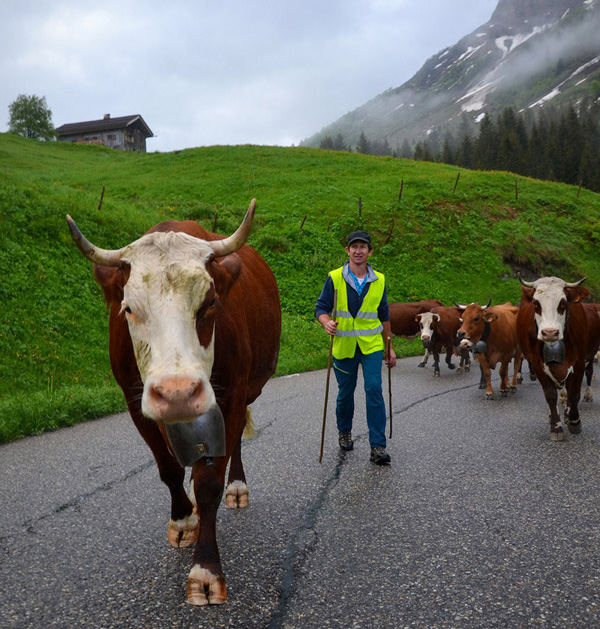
{"x":125,"y":133}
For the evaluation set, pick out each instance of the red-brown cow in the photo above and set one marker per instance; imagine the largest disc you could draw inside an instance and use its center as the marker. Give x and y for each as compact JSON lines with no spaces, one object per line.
{"x":403,"y":322}
{"x":491,"y":333}
{"x":195,"y":324}
{"x":553,"y":335}
{"x":592,"y":313}
{"x":438,"y":331}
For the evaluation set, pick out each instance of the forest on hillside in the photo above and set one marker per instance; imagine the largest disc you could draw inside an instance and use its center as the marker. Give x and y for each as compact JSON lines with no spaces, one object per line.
{"x":554,"y":144}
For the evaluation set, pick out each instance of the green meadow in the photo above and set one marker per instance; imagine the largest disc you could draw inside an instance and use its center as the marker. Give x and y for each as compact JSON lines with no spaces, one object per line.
{"x":439,"y":232}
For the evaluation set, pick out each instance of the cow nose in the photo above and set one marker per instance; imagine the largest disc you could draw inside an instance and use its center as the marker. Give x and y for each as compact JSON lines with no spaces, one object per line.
{"x":460,"y":335}
{"x":550,"y":334}
{"x":177,"y":398}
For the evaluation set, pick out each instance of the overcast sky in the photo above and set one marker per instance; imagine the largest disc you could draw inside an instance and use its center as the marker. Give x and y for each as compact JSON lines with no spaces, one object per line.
{"x":203,"y":72}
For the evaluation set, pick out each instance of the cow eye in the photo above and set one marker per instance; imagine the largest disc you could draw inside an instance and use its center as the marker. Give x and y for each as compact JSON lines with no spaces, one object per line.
{"x":127,"y":309}
{"x":476,"y":318}
{"x":562,"y":306}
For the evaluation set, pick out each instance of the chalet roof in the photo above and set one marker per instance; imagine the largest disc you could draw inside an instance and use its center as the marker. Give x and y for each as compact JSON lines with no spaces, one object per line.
{"x":105,"y":124}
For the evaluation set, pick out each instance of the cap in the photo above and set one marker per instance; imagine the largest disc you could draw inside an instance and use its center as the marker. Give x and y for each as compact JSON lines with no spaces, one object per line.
{"x":359,"y":235}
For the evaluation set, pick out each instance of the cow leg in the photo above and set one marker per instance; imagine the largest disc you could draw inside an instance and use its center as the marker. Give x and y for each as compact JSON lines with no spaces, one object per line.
{"x":436,"y":364}
{"x":236,"y":495}
{"x":551,"y":395}
{"x":424,"y":359}
{"x":589,"y":375}
{"x":573,"y":386}
{"x":482,"y":378}
{"x":486,"y":377}
{"x":183,"y":525}
{"x":503,"y":371}
{"x":206,"y":581}
{"x":449,"y":353}
{"x":517,"y":377}
{"x":465,"y":359}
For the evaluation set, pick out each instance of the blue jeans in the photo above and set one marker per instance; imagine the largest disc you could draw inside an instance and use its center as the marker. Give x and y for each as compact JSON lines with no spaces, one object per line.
{"x":346,"y":374}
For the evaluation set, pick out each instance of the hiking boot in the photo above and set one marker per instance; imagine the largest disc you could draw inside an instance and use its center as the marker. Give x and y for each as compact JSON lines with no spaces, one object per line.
{"x":379,"y":456}
{"x":345,"y":441}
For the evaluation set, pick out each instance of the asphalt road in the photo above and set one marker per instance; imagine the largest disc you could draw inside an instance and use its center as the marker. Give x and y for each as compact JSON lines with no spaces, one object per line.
{"x":480,"y":521}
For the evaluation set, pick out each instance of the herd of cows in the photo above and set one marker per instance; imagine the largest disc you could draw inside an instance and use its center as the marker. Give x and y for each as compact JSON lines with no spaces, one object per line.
{"x":194,"y":332}
{"x":552,"y":328}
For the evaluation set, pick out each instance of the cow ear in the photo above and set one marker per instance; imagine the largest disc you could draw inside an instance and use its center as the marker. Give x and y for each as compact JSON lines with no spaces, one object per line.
{"x":418,"y":318}
{"x":225,"y":272}
{"x":490,"y":316}
{"x":527,"y":292}
{"x":578,"y":293}
{"x":112,"y":280}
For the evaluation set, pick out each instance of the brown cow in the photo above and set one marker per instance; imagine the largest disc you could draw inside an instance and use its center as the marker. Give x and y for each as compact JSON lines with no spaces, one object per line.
{"x":403,"y":322}
{"x":438,"y":331}
{"x":491,"y":333}
{"x":553,"y":335}
{"x":592,"y":312}
{"x":195,"y":323}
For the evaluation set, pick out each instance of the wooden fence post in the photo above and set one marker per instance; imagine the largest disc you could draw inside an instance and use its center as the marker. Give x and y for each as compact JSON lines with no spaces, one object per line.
{"x":101,"y":198}
{"x":456,"y":182}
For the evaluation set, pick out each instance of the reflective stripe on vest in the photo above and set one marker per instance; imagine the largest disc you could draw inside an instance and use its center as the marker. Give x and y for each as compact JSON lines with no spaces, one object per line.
{"x":366,"y":328}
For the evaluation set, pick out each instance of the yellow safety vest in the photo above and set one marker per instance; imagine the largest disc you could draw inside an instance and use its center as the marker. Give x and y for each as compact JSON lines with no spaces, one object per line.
{"x":366,"y":328}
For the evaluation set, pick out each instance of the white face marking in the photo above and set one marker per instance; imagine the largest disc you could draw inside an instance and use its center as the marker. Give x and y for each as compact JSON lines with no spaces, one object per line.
{"x":426,"y":322}
{"x":549,"y":292}
{"x":166,"y":287}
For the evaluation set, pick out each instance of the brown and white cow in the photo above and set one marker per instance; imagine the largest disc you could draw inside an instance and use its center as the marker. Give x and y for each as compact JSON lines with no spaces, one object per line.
{"x":553,"y":335}
{"x":195,"y":324}
{"x":403,"y":322}
{"x":490,"y":331}
{"x":438,"y":331}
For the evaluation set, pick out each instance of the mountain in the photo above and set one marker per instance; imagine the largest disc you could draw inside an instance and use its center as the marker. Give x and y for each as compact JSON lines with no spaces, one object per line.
{"x":529,"y":54}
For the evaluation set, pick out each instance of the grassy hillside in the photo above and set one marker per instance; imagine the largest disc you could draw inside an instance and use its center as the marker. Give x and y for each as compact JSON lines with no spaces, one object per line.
{"x":437,"y":242}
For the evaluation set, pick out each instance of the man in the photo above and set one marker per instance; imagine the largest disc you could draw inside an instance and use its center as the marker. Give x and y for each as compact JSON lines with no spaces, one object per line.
{"x":360,"y":334}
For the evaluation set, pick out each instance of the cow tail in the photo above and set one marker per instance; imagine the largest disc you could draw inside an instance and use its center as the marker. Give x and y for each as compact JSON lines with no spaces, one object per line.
{"x":249,"y":430}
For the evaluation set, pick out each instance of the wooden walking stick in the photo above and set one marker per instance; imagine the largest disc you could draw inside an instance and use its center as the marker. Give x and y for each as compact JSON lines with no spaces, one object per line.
{"x":329,"y":361}
{"x":389,"y":347}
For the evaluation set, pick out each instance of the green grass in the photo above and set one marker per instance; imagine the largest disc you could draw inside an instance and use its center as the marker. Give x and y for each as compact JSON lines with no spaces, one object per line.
{"x":461,"y":245}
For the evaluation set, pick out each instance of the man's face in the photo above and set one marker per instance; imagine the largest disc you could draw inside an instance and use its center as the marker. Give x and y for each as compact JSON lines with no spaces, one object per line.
{"x":359,"y":252}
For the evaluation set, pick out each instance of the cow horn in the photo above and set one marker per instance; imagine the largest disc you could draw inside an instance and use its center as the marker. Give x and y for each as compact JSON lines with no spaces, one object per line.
{"x":103,"y":257}
{"x":575,"y":284}
{"x":489,"y":303}
{"x":528,"y":284}
{"x":461,"y":306}
{"x":228,"y":245}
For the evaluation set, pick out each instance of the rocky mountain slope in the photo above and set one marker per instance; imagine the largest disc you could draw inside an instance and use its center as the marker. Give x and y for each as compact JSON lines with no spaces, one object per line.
{"x":530,"y":53}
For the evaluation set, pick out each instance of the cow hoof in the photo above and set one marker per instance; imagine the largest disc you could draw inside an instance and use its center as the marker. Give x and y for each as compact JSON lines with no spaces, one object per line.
{"x":184,"y":532}
{"x":205,"y":588}
{"x":532,"y":377}
{"x":574,"y":427}
{"x":451,"y":366}
{"x":489,"y":396}
{"x":504,"y":393}
{"x":557,"y":436}
{"x":468,"y":368}
{"x":236,"y":495}
{"x":421,"y":365}
{"x":436,"y":374}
